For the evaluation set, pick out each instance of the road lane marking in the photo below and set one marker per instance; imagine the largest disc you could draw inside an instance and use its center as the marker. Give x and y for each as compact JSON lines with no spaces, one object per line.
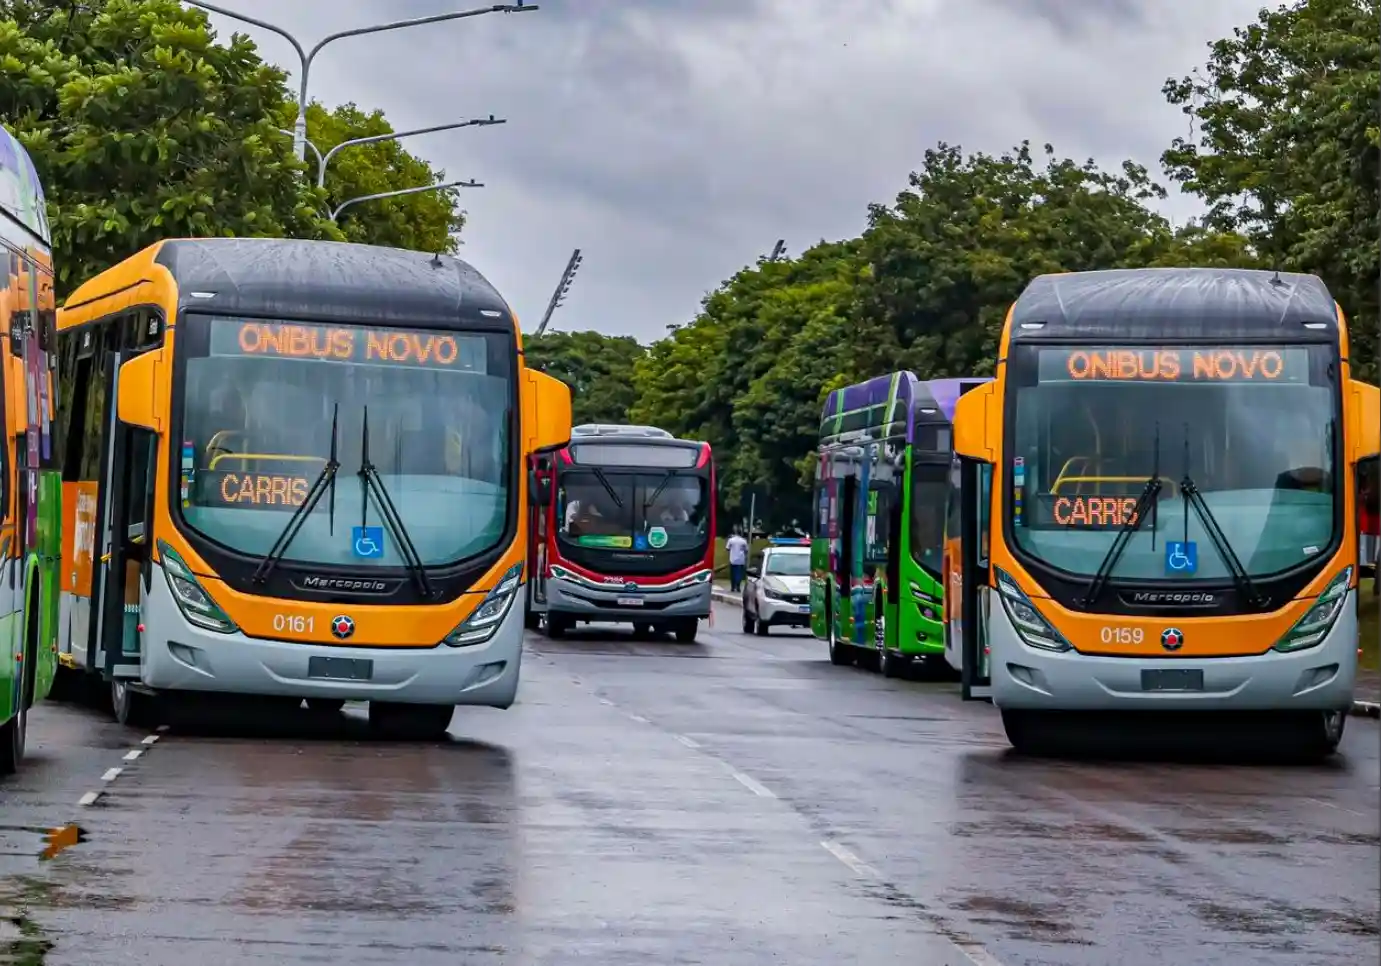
{"x":89,"y":798}
{"x":973,"y":950}
{"x":606,"y":702}
{"x":111,"y":774}
{"x":752,"y":784}
{"x":133,"y":754}
{"x":151,"y":739}
{"x":638,"y":718}
{"x":161,"y":728}
{"x":688,"y":742}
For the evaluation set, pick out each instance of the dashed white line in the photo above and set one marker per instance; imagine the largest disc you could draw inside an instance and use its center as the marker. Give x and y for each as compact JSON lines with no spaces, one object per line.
{"x":133,"y":754}
{"x":606,"y":702}
{"x":855,"y":864}
{"x":151,"y":739}
{"x":688,"y":742}
{"x":753,"y":785}
{"x":638,"y":718}
{"x":111,"y":774}
{"x":161,"y":728}
{"x":89,"y":798}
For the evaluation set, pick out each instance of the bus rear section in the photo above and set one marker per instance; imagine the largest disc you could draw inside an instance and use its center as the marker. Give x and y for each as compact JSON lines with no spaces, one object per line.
{"x":1172,"y":522}
{"x":292,"y":499}
{"x":623,"y":521}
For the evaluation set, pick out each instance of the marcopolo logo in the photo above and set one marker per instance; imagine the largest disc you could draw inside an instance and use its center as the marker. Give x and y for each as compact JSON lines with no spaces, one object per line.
{"x":359,"y":585}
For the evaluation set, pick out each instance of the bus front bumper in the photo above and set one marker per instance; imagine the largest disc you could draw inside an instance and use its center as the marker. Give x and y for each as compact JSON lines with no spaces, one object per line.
{"x":177,"y":656}
{"x":1318,"y":679}
{"x":584,"y":602}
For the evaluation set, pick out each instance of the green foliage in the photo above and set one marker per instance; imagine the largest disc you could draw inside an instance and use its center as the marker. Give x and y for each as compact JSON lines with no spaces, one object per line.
{"x":142,"y":127}
{"x":1288,"y":147}
{"x":427,"y":221}
{"x":598,"y":368}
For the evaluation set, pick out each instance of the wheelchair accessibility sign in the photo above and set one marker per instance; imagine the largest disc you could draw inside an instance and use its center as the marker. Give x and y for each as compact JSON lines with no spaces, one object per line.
{"x":367,"y":542}
{"x":1181,"y":557}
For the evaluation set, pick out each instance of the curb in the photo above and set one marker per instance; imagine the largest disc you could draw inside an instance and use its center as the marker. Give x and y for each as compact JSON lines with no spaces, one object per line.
{"x":726,"y":597}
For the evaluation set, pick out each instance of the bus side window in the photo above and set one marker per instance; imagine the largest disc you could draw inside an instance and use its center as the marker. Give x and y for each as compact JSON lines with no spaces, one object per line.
{"x":985,"y":493}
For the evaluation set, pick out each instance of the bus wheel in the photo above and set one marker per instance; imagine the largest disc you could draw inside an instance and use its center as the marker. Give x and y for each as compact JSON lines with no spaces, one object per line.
{"x":410,"y":722}
{"x":687,"y":629}
{"x":889,"y":664}
{"x":841,"y":654}
{"x":1314,"y":735}
{"x":557,"y":625}
{"x":326,"y":705}
{"x":132,"y":709}
{"x":1029,"y":732}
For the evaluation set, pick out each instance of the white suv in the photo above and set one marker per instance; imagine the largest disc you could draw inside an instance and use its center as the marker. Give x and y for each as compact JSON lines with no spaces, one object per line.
{"x":777,"y":591}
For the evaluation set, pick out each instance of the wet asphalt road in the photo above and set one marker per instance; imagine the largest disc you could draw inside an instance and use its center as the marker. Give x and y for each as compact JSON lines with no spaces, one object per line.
{"x":738,"y":801}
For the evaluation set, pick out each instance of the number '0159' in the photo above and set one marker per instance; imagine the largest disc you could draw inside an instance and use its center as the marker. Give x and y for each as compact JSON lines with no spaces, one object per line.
{"x":1122,"y":635}
{"x":294,"y":623}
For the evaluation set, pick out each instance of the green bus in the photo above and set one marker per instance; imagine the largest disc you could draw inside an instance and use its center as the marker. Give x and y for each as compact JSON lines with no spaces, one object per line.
{"x":30,"y":481}
{"x":881,"y":482}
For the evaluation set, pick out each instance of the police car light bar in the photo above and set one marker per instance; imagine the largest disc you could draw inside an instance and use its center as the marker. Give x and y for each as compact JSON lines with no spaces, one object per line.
{"x":789,"y":541}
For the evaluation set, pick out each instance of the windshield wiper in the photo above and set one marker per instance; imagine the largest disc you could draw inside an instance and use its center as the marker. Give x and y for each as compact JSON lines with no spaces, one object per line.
{"x":604,"y":482}
{"x":657,"y":492}
{"x":326,"y":480}
{"x":370,"y":482}
{"x":1145,"y":503}
{"x":1193,"y":498}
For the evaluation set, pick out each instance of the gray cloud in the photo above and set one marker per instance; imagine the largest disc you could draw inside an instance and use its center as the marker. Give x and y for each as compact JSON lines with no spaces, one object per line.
{"x":675,"y":140}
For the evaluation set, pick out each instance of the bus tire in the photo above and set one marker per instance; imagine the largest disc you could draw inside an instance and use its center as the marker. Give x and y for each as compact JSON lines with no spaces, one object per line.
{"x":410,"y":722}
{"x":14,"y":735}
{"x":687,"y":629}
{"x":1315,"y":735}
{"x":557,"y":625}
{"x":889,"y":664}
{"x":1028,"y":732}
{"x":841,"y":654}
{"x":132,"y":708}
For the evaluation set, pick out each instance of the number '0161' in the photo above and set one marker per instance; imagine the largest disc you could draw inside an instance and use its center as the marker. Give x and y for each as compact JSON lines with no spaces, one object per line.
{"x":294,"y":623}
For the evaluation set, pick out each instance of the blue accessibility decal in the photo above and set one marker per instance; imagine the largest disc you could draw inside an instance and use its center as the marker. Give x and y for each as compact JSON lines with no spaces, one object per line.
{"x":367,"y":542}
{"x":1181,"y":557}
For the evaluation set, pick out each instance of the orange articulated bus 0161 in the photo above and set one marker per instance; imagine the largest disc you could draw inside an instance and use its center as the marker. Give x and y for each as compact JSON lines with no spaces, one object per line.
{"x":295,"y":470}
{"x":1171,"y":523}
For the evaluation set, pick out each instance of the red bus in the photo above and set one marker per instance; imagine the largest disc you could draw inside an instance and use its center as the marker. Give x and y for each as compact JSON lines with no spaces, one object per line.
{"x":622,"y":531}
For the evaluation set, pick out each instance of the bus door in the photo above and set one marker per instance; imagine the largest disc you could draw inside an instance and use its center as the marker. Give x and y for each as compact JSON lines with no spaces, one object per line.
{"x":123,"y":568}
{"x":845,"y":508}
{"x":975,"y":596}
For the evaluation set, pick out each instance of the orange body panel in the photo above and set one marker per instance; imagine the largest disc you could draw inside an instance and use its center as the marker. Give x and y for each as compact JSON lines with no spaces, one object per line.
{"x":78,"y":537}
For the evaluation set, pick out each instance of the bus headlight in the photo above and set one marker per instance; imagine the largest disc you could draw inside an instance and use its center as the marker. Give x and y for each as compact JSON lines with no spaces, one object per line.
{"x":486,"y":618}
{"x":192,"y":599}
{"x":1313,"y":627}
{"x":1033,"y":629}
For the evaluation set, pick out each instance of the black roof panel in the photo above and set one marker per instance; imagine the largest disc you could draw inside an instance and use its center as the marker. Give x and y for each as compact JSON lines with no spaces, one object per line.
{"x":300,"y":278}
{"x":1175,"y":303}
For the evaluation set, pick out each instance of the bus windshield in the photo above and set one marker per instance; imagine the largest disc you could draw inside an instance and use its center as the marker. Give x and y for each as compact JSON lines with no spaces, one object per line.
{"x":929,"y":492}
{"x":1254,"y":428}
{"x":648,"y":511}
{"x":258,"y":402}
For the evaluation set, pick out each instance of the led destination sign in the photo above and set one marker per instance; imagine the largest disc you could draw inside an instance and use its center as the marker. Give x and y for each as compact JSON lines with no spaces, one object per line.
{"x":1197,"y":365}
{"x":251,"y":491}
{"x":1048,"y":511}
{"x":324,"y":343}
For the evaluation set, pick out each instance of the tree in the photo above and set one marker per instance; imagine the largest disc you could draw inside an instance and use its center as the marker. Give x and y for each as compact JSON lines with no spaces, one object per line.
{"x":598,"y":368}
{"x":1288,"y":147}
{"x":142,"y":128}
{"x":427,"y":221}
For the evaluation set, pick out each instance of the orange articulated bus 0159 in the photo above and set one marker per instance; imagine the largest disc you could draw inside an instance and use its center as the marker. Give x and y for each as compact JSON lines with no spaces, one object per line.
{"x":295,"y":470}
{"x":1172,"y":517}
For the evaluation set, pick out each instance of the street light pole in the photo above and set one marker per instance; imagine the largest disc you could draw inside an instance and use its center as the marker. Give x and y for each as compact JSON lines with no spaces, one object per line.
{"x":305,"y":57}
{"x":403,"y":191}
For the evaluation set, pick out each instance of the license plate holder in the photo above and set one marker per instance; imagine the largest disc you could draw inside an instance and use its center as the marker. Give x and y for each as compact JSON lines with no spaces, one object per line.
{"x":803,"y":608}
{"x":630,"y":602}
{"x":1172,"y":679}
{"x":340,"y":668}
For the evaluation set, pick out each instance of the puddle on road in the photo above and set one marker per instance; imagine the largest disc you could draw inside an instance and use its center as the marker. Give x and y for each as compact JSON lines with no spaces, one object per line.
{"x":22,"y":940}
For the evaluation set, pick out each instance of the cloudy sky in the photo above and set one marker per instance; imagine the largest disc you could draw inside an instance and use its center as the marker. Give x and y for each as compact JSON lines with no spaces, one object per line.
{"x":675,"y":141}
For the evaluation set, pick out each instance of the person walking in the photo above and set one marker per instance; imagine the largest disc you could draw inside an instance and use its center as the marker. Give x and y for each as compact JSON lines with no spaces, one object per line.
{"x":737,"y":548}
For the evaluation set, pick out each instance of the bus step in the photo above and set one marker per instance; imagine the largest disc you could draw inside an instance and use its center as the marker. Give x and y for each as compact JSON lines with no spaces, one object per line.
{"x":125,"y":671}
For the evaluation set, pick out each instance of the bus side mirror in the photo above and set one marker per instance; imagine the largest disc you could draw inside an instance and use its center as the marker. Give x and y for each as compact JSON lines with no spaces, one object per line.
{"x":140,"y":392}
{"x":546,"y":411}
{"x":540,"y":487}
{"x":972,"y":413}
{"x":1366,"y":420}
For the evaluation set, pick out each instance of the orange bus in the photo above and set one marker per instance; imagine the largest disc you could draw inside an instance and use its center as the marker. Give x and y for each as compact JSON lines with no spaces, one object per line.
{"x":1172,"y":517}
{"x":295,"y":471}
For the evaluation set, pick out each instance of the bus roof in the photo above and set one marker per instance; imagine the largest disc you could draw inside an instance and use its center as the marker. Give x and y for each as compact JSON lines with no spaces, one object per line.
{"x":302,"y":278}
{"x":1175,"y":303}
{"x":620,"y":429}
{"x":891,"y":406}
{"x":21,"y":191}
